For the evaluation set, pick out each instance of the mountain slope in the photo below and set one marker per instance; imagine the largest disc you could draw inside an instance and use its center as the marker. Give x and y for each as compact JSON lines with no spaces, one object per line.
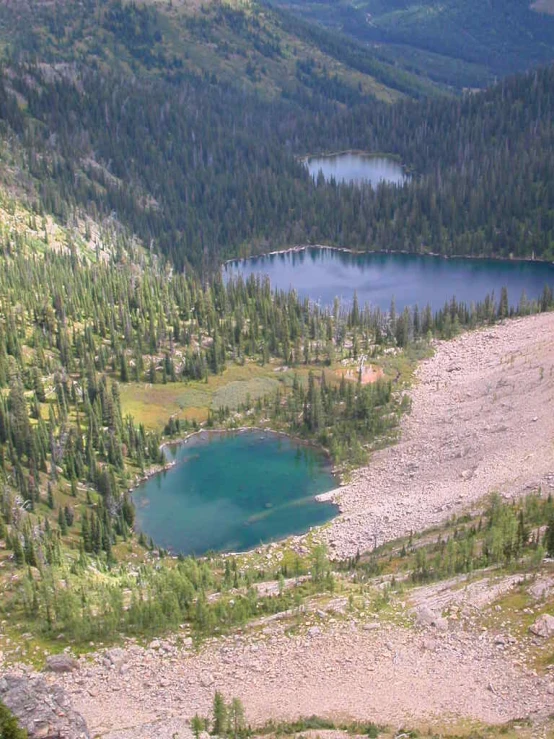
{"x":240,"y":44}
{"x":461,"y":42}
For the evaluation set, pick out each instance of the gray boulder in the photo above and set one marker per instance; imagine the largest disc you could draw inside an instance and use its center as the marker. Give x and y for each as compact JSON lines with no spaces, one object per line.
{"x":427,"y":618}
{"x":61,"y":663}
{"x":116,"y":656}
{"x":43,"y":710}
{"x":543,"y":626}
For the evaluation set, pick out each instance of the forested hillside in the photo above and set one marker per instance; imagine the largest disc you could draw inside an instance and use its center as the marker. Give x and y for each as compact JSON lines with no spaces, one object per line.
{"x":200,"y":171}
{"x":241,"y":44}
{"x":68,"y":450}
{"x":465,"y":43}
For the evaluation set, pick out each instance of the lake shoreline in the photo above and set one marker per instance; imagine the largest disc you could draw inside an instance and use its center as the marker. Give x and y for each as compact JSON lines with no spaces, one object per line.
{"x":356,"y":152}
{"x":357,"y":252}
{"x":243,"y":429}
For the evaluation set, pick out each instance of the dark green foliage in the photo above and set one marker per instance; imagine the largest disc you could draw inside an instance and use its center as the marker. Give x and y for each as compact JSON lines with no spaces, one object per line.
{"x":160,"y":600}
{"x":503,"y":538}
{"x":220,"y":715}
{"x":198,"y":725}
{"x":342,"y":417}
{"x":549,"y":538}
{"x":9,"y":727}
{"x":227,"y":718}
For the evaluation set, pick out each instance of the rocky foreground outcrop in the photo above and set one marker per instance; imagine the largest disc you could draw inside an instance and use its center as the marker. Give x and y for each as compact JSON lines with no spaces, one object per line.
{"x":44,"y":710}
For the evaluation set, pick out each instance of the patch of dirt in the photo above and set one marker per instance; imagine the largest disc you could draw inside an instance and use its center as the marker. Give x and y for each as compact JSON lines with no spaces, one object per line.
{"x":370,"y":374}
{"x":481,"y":421}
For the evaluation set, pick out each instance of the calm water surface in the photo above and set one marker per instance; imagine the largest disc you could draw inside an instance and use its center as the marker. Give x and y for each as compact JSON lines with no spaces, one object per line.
{"x":230,"y":492}
{"x":323,"y":274}
{"x":357,"y":168}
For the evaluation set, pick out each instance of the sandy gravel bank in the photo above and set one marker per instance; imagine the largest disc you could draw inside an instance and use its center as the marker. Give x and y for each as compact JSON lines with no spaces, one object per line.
{"x":482,"y":419}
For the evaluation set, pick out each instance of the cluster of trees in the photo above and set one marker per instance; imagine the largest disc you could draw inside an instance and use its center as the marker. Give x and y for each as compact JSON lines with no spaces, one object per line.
{"x":207,"y":596}
{"x":227,"y":719}
{"x":67,"y":453}
{"x":344,"y":418}
{"x":506,"y":533}
{"x":348,"y":417}
{"x":515,"y":534}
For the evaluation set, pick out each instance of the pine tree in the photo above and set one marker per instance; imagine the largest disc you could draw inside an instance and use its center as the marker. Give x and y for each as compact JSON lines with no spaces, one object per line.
{"x":62,"y":522}
{"x":197,"y":725}
{"x":9,"y":727}
{"x":50,"y":497}
{"x":220,"y":718}
{"x":237,"y":723}
{"x":549,"y":538}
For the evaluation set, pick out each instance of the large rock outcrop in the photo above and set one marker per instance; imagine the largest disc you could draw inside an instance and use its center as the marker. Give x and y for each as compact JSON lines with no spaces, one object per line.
{"x":44,"y":710}
{"x":543,"y":626}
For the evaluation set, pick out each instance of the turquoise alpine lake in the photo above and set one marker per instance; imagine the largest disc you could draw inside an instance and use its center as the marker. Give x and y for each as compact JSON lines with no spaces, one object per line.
{"x":322,"y":274}
{"x":357,"y":168}
{"x":230,"y":492}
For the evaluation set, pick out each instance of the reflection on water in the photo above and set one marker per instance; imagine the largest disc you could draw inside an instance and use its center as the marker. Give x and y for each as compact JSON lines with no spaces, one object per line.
{"x":322,"y":274}
{"x":357,"y":168}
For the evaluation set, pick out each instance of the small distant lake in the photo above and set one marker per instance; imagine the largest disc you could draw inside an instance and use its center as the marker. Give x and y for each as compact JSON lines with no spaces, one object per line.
{"x":323,"y":274}
{"x":356,"y":168}
{"x":231,"y":492}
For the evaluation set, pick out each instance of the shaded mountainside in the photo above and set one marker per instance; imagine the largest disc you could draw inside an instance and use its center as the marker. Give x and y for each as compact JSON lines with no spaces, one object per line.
{"x":465,"y":43}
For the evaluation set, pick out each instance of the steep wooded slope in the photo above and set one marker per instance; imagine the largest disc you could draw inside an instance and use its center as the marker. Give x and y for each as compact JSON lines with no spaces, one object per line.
{"x":465,"y":43}
{"x":201,"y":172}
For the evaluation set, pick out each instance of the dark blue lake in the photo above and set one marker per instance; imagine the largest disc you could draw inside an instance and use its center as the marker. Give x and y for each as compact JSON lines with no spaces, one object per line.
{"x":231,"y":492}
{"x":323,"y":274}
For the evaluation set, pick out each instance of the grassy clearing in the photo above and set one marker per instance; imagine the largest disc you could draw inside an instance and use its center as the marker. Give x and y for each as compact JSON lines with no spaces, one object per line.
{"x":400,"y":366}
{"x":152,"y":405}
{"x":238,"y":392}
